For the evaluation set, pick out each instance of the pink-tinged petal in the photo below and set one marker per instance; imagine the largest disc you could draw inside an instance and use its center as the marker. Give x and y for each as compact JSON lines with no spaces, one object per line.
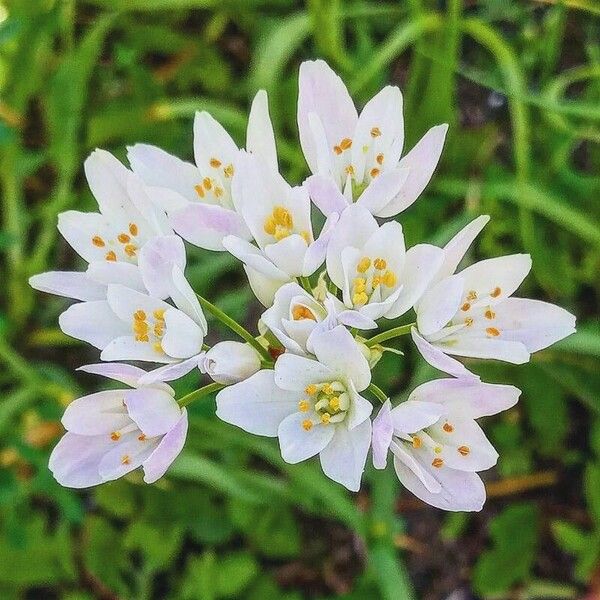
{"x":439,"y":304}
{"x":183,"y":338}
{"x":260,"y":138}
{"x":92,"y":322}
{"x":382,"y":190}
{"x":354,"y":318}
{"x":156,"y":260}
{"x":211,"y":140}
{"x":68,"y":284}
{"x":96,"y":414}
{"x":534,"y":323}
{"x":288,"y":254}
{"x":107,"y":178}
{"x":127,"y":455}
{"x":170,"y":372}
{"x":257,"y":404}
{"x":154,"y":411}
{"x":421,"y":161}
{"x":75,"y":459}
{"x":322,"y":92}
{"x":160,"y":169}
{"x":317,"y":251}
{"x":230,"y":362}
{"x":325,"y":194}
{"x":488,"y":347}
{"x":420,"y":265}
{"x":127,"y":374}
{"x":298,"y":442}
{"x":79,"y":229}
{"x":263,"y":287}
{"x":338,"y":350}
{"x":185,"y":298}
{"x":294,"y":373}
{"x":105,"y":273}
{"x":411,"y":416}
{"x":467,"y":396}
{"x":127,"y":347}
{"x":156,"y":465}
{"x":205,"y":225}
{"x":438,"y":359}
{"x":495,"y":279}
{"x":344,"y":458}
{"x":124,"y":302}
{"x":460,"y":490}
{"x":254,"y":258}
{"x":383,"y":430}
{"x":144,"y":201}
{"x":457,"y":247}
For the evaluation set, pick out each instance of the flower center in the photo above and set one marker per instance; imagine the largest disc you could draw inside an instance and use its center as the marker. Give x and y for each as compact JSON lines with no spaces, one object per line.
{"x":371,"y":275}
{"x":280,"y":224}
{"x":149,"y":330}
{"x":469,"y":316}
{"x":123,"y":247}
{"x":329,"y":401}
{"x":301,"y":312}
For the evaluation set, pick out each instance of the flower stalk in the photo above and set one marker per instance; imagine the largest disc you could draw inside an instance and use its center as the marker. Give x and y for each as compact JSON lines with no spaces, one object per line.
{"x":200,"y":393}
{"x":390,"y":334}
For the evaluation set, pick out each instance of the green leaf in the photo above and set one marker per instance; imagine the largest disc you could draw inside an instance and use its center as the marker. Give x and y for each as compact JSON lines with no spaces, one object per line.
{"x":235,"y":573}
{"x":570,"y":538}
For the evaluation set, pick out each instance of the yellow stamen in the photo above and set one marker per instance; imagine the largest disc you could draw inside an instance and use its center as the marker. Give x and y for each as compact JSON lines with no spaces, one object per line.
{"x":159,"y":314}
{"x":360,"y":284}
{"x":142,"y":437}
{"x":199,"y":190}
{"x":363,"y":264}
{"x":111,"y":256}
{"x":374,"y":172}
{"x":311,"y":389}
{"x":98,"y":241}
{"x":464,"y":450}
{"x":300,"y":313}
{"x":270,"y":226}
{"x":307,"y":425}
{"x":228,"y":171}
{"x":448,"y":428}
{"x":380,"y":264}
{"x":207,"y":183}
{"x":334,"y":404}
{"x":115,"y":436}
{"x":437,"y":463}
{"x":466,"y":306}
{"x":375,"y":281}
{"x":142,"y":338}
{"x":417,"y":442}
{"x":360,"y":298}
{"x":472,"y":295}
{"x":123,"y":238}
{"x":303,"y":405}
{"x":379,"y":159}
{"x":349,"y":170}
{"x":489,"y":314}
{"x":215,"y":163}
{"x":139,"y":315}
{"x":283,"y":217}
{"x":125,"y":460}
{"x":327,"y":389}
{"x":306,"y":237}
{"x":492,"y":331}
{"x":133,"y":229}
{"x":346,"y":143}
{"x":130,"y":249}
{"x":157,"y":347}
{"x":389,"y":279}
{"x":495,"y":292}
{"x":158,"y":330}
{"x":218,"y":191}
{"x":325,"y":418}
{"x":337,"y":150}
{"x":469,"y":321}
{"x":375,"y":132}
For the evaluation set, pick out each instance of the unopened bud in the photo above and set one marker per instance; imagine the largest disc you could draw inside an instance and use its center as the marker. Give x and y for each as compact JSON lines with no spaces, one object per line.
{"x":230,"y":362}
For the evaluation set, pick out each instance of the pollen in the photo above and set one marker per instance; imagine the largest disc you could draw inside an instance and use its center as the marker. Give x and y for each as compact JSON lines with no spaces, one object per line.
{"x":111,"y":256}
{"x":360,"y":298}
{"x":375,"y":281}
{"x":447,"y":427}
{"x":157,"y":347}
{"x":159,"y":314}
{"x":327,"y":389}
{"x":139,"y":315}
{"x":438,"y":449}
{"x":380,"y":264}
{"x":437,"y":462}
{"x":337,"y":150}
{"x":325,"y":418}
{"x":334,"y":404}
{"x":133,"y":229}
{"x":218,"y":191}
{"x":282,"y":216}
{"x":130,"y":249}
{"x":469,"y":321}
{"x":123,"y":238}
{"x":465,"y":307}
{"x":379,"y":158}
{"x":207,"y":183}
{"x":306,"y":237}
{"x":228,"y":171}
{"x":115,"y":436}
{"x":158,"y":329}
{"x":215,"y":163}
{"x":489,"y":314}
{"x":303,"y":406}
{"x":311,"y":389}
{"x":270,"y":226}
{"x":199,"y":190}
{"x":375,"y":132}
{"x":495,"y":292}
{"x":98,"y":241}
{"x":492,"y":331}
{"x":464,"y":450}
{"x":363,"y":264}
{"x":417,"y":442}
{"x":125,"y":459}
{"x":142,"y":437}
{"x":307,"y":425}
{"x":389,"y":279}
{"x":349,"y":170}
{"x":360,"y":284}
{"x":374,"y":172}
{"x":346,"y":143}
{"x":472,"y":295}
{"x":300,"y":313}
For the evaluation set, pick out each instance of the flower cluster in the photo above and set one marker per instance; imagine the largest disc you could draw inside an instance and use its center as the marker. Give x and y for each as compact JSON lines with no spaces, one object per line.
{"x":307,"y":377}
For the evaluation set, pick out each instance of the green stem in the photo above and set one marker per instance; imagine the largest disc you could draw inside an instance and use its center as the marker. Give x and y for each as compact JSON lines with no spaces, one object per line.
{"x":389,"y":334}
{"x":234,"y":326}
{"x":377,"y":392}
{"x":197,"y":394}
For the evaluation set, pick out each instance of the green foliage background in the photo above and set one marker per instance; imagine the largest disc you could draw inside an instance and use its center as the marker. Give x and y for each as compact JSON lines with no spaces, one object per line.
{"x":519,"y":83}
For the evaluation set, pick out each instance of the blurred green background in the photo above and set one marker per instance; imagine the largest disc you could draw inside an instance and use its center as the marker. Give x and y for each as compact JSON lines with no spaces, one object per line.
{"x":519,"y":83}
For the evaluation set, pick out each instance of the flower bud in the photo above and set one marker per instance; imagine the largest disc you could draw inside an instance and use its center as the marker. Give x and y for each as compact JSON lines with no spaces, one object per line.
{"x":230,"y":362}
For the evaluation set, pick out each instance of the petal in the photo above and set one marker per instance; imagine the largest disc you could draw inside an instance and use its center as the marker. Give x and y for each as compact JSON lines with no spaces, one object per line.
{"x":325,"y":194}
{"x":205,"y":225}
{"x":298,"y":444}
{"x":421,"y":161}
{"x":107,"y":178}
{"x":127,"y":374}
{"x":124,"y":302}
{"x":156,"y":261}
{"x":128,"y":454}
{"x":75,"y":459}
{"x":382,"y":190}
{"x":96,"y":414}
{"x":127,"y":347}
{"x":105,"y":272}
{"x":167,"y":450}
{"x":411,"y":416}
{"x":439,"y":304}
{"x":474,"y":347}
{"x":383,"y":430}
{"x":260,"y":138}
{"x":322,"y":92}
{"x":154,"y":411}
{"x":144,"y":202}
{"x":183,"y":338}
{"x":317,"y":251}
{"x":185,"y":298}
{"x":344,"y":458}
{"x":92,"y":322}
{"x":294,"y":373}
{"x":256,"y":404}
{"x":79,"y":229}
{"x":254,"y":258}
{"x":288,"y":254}
{"x":263,"y":287}
{"x":360,"y":408}
{"x":438,"y":359}
{"x":338,"y":350}
{"x":171,"y":371}
{"x":212,"y":140}
{"x":68,"y":284}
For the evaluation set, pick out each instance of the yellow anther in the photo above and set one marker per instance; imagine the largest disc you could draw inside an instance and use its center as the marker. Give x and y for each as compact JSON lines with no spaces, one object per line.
{"x":360,"y":284}
{"x":495,"y":292}
{"x":363,"y":264}
{"x":130,"y":249}
{"x":349,"y":170}
{"x":125,"y":460}
{"x":492,"y":331}
{"x":375,"y":281}
{"x":379,"y":158}
{"x":334,"y":404}
{"x":158,"y":329}
{"x":133,"y":229}
{"x":489,"y":314}
{"x":157,"y":347}
{"x":199,"y":190}
{"x":437,"y":463}
{"x":472,"y":295}
{"x":346,"y":143}
{"x":123,"y":238}
{"x":469,"y":321}
{"x":281,"y":233}
{"x":218,"y":191}
{"x":228,"y":171}
{"x":337,"y":150}
{"x":300,"y":313}
{"x":115,"y":436}
{"x":307,"y":425}
{"x":98,"y":241}
{"x":207,"y":183}
{"x":375,"y":132}
{"x":306,"y":237}
{"x":270,"y":226}
{"x":283,"y":217}
{"x":142,"y":338}
{"x":464,"y":450}
{"x":215,"y":163}
{"x":303,"y":406}
{"x":465,"y":307}
{"x":325,"y":418}
{"x":159,"y":314}
{"x":417,"y":442}
{"x":389,"y":279}
{"x":142,"y":437}
{"x":380,"y":264}
{"x":311,"y":389}
{"x":327,"y":389}
{"x":111,"y":256}
{"x":140,"y":327}
{"x":374,"y":172}
{"x":447,"y":427}
{"x":360,"y":298}
{"x":438,"y":449}
{"x":139,"y":315}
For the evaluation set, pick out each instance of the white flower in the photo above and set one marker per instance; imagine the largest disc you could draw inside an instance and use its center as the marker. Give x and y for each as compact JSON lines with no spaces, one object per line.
{"x":114,"y":241}
{"x":112,"y":433}
{"x":358,"y":158}
{"x":472,"y":313}
{"x":313,"y":406}
{"x":378,"y":278}
{"x":278,"y":217}
{"x":230,"y":362}
{"x":130,"y":325}
{"x":198,"y":197}
{"x":437,"y":445}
